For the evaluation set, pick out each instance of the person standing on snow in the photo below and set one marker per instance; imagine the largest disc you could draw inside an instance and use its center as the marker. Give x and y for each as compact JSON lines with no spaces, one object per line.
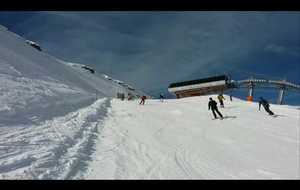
{"x":143,"y":98}
{"x":221,"y":98}
{"x":130,"y":96}
{"x":214,"y":108}
{"x":265,"y":104}
{"x":122,"y":96}
{"x":161,"y":96}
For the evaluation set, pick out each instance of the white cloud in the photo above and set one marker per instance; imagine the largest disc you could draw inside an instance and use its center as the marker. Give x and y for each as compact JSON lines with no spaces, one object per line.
{"x":280,"y":49}
{"x":275,"y":48}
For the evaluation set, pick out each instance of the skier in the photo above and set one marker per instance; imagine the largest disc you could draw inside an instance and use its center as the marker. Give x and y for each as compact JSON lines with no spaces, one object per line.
{"x":265,"y":104}
{"x":122,"y":96}
{"x":161,"y":96}
{"x":213,"y":106}
{"x":143,"y":98}
{"x":221,"y":98}
{"x":130,"y":96}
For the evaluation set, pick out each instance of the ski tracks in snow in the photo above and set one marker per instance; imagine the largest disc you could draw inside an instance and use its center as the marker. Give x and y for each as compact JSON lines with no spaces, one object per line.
{"x":56,"y":149}
{"x":174,"y":141}
{"x":124,"y":152}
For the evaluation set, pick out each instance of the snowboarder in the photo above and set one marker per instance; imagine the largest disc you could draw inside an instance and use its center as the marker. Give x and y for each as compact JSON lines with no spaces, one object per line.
{"x":265,"y":104}
{"x":143,"y":98}
{"x":221,"y":98}
{"x":213,"y":106}
{"x":161,"y":96}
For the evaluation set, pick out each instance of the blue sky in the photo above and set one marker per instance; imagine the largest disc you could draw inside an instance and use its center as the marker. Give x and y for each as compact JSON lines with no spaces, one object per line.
{"x":152,"y":49}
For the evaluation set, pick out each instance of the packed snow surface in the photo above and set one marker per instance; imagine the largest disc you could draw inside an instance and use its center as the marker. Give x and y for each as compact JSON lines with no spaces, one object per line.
{"x":178,"y":139}
{"x":52,"y":150}
{"x":175,"y":139}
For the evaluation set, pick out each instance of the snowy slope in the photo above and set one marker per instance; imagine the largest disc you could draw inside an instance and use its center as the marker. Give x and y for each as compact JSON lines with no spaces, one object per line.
{"x":35,"y":86}
{"x":59,"y":121}
{"x":54,"y":149}
{"x":178,"y":139}
{"x":49,"y":111}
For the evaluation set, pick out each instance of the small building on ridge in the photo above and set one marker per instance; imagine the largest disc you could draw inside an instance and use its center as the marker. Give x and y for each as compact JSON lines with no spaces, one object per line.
{"x":204,"y":86}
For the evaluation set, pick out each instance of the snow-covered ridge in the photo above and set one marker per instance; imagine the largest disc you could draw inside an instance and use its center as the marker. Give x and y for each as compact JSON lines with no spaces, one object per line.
{"x":2,"y":27}
{"x":92,"y":70}
{"x":34,"y":45}
{"x":35,"y":84}
{"x":105,"y":76}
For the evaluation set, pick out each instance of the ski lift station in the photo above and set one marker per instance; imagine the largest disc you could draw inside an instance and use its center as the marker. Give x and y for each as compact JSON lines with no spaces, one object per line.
{"x":219,"y":84}
{"x":199,"y":87}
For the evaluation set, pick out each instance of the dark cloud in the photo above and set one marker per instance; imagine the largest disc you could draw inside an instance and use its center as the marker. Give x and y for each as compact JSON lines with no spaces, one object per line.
{"x":152,"y":49}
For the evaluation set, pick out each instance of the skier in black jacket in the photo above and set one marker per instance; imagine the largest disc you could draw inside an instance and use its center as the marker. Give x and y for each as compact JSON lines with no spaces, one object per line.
{"x":265,"y":104}
{"x":161,"y":96}
{"x":213,"y":106}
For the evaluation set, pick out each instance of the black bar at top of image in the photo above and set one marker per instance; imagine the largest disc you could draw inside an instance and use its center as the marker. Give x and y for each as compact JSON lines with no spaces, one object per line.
{"x":149,"y":5}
